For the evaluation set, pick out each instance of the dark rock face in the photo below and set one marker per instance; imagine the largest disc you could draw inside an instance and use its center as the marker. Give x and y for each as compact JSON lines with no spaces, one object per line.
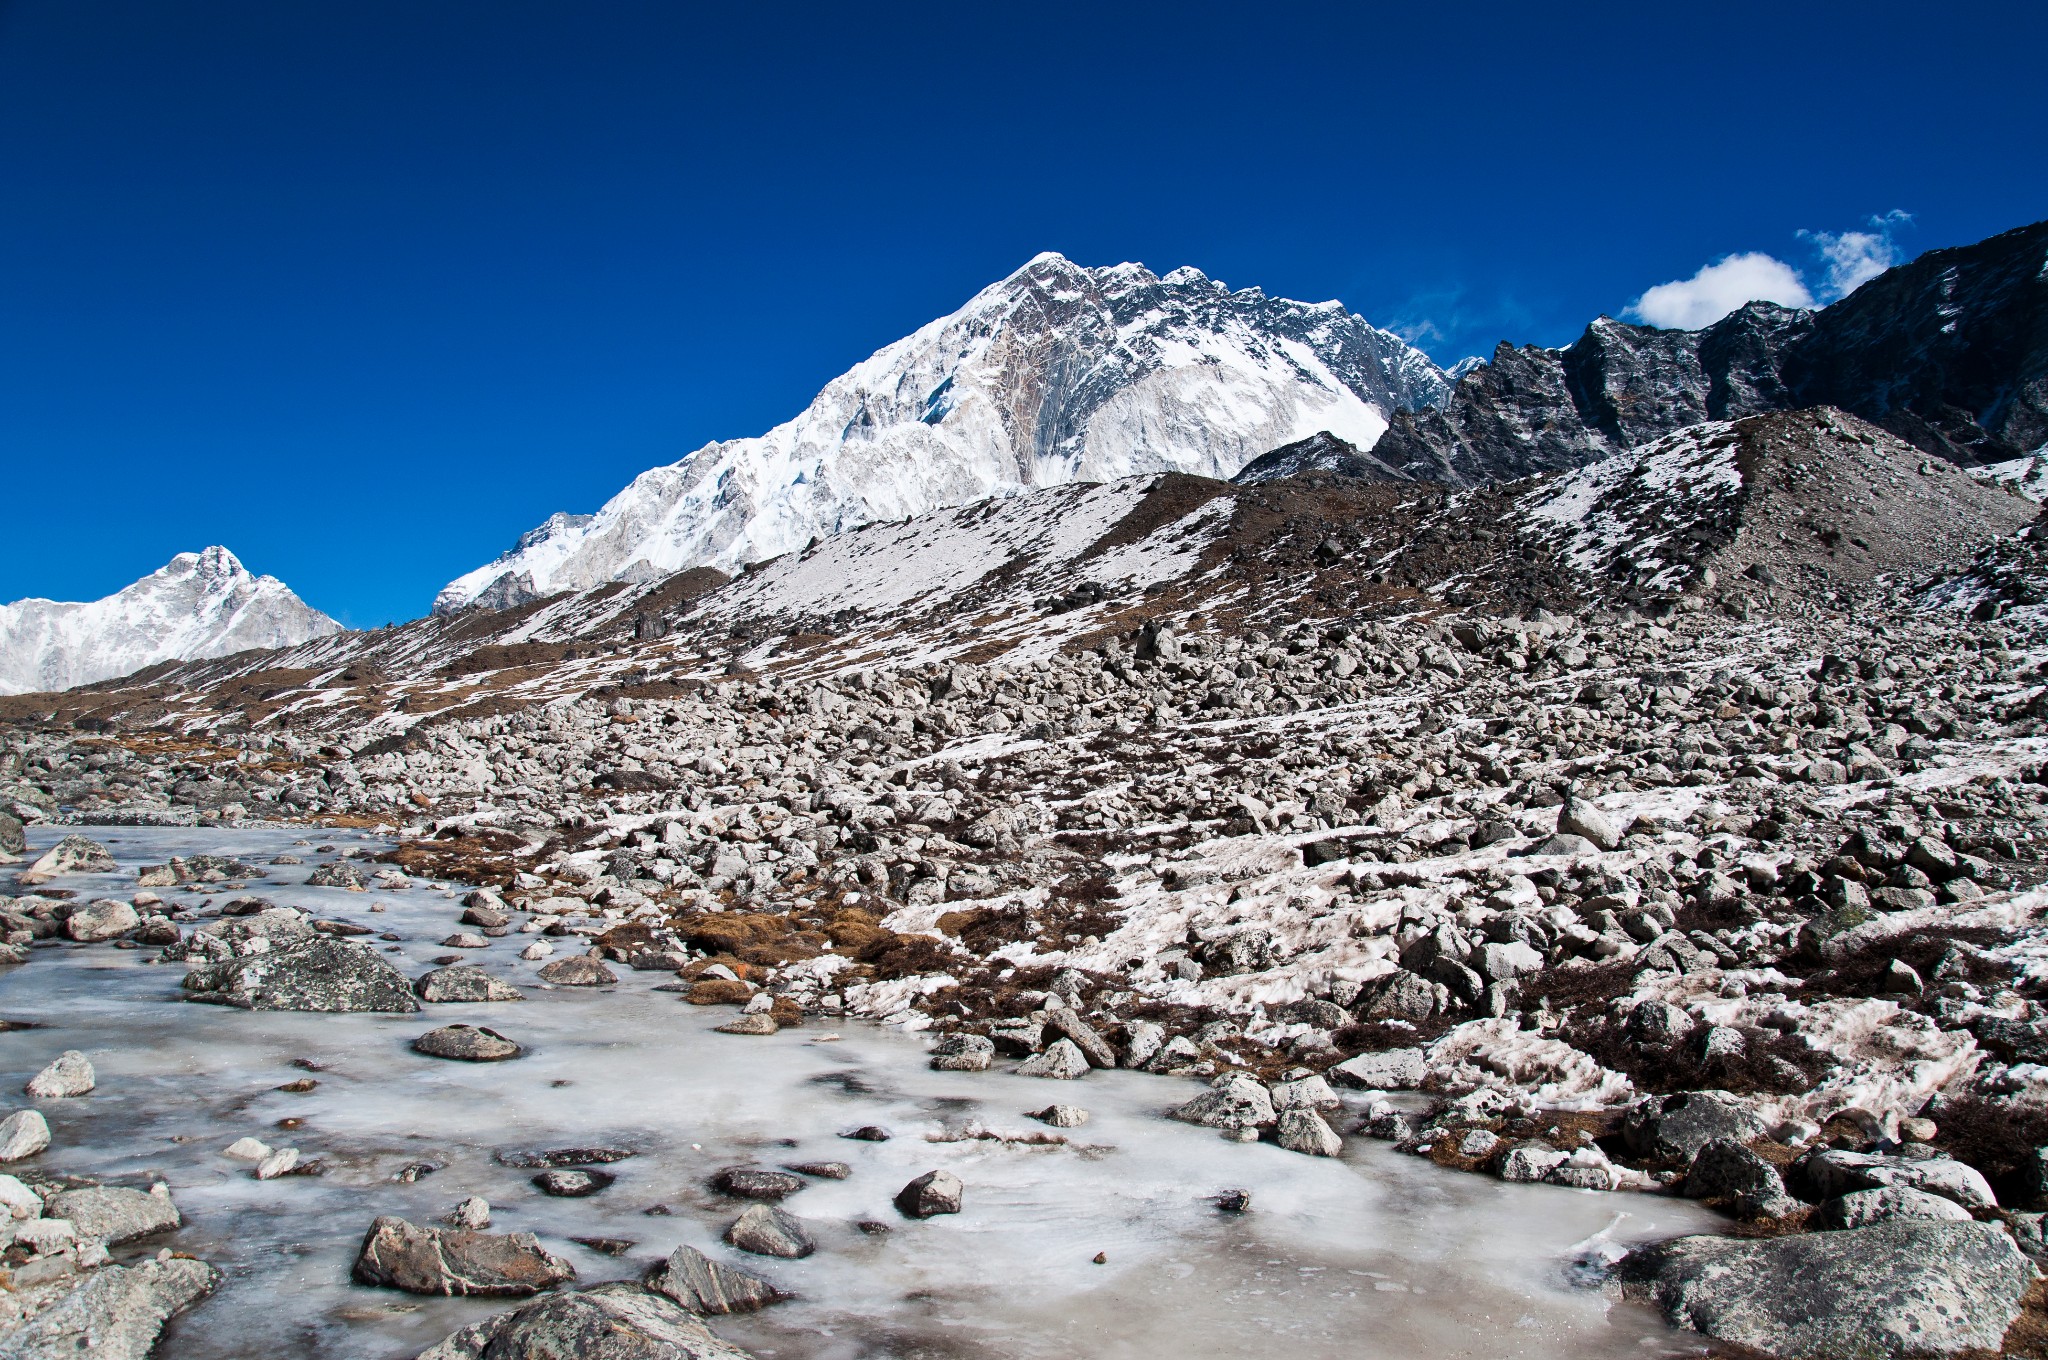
{"x":752,"y":1182}
{"x":1950,"y":353}
{"x":449,"y":1261}
{"x":1894,"y":1289}
{"x":609,"y":1322}
{"x":315,"y":973}
{"x":933,"y":1193}
{"x":1678,"y":1126}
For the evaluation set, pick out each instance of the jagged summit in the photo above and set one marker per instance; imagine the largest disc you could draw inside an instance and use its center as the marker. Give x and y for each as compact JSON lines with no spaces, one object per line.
{"x":1057,"y":373}
{"x":197,"y":605}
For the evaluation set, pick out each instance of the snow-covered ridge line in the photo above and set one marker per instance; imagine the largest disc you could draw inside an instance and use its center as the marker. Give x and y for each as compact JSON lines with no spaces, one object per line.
{"x":198,"y":605}
{"x":1056,"y":374}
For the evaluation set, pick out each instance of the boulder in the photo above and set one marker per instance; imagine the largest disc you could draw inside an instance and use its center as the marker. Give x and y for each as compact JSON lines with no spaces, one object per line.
{"x":105,"y":919}
{"x":1580,"y":818}
{"x":114,"y":1214}
{"x":463,"y":982}
{"x":963,"y":1053}
{"x":1062,"y":1061}
{"x":1723,"y":1169}
{"x":933,"y":1193}
{"x":1529,"y":1162}
{"x":753,"y":1182}
{"x":450,"y":1261}
{"x":1061,"y":1116}
{"x":759,"y":1022}
{"x":113,"y":1313}
{"x":70,"y":1075}
{"x":580,"y":970}
{"x":767,"y":1231}
{"x":1393,"y":1069}
{"x":23,"y":1134}
{"x":703,"y":1285}
{"x":1067,"y":1022}
{"x":573,"y":1184}
{"x":617,"y":1321}
{"x":1890,"y":1290}
{"x":1233,"y":1101}
{"x":13,"y":840}
{"x":466,"y":1043}
{"x":73,"y":855}
{"x":1676,"y":1127}
{"x":1861,"y":1208}
{"x":312,"y":973}
{"x":1303,"y":1130}
{"x":1827,"y":1172}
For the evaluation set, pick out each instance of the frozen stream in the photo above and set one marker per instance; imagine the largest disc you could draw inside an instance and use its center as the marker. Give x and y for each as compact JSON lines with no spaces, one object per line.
{"x":1374,"y":1254}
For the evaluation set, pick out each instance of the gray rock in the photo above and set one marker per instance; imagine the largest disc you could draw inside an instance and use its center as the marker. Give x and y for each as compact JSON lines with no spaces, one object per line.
{"x":105,"y":919}
{"x":1891,"y":1290}
{"x":23,"y":1134}
{"x":114,"y":1313}
{"x":74,"y":855}
{"x":580,"y":970}
{"x":578,"y":1183}
{"x":1393,"y":1069}
{"x":114,"y":1214}
{"x":1828,"y":1172}
{"x":703,"y":1285}
{"x":315,"y":973}
{"x":1061,"y":1116}
{"x":1676,"y":1127}
{"x":70,"y":1075}
{"x":1062,"y":1061}
{"x":766,"y":1230}
{"x":753,"y":1182}
{"x":1233,"y":1101}
{"x":933,"y":1193}
{"x":617,"y":1321}
{"x":1303,"y":1130}
{"x":1724,"y":1169}
{"x":1529,"y":1162}
{"x":463,"y":982}
{"x":13,"y":841}
{"x":466,"y":1043}
{"x":452,"y":1261}
{"x":1860,"y":1208}
{"x":963,"y":1053}
{"x":1067,"y":1022}
{"x":1579,"y":818}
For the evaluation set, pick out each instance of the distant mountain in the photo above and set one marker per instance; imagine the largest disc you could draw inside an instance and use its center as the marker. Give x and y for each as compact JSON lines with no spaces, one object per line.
{"x":1949,"y":353}
{"x":203,"y":604}
{"x":1056,"y":374}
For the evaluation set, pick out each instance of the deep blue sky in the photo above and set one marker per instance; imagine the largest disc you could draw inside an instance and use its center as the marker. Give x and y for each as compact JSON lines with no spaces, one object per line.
{"x":363,"y":289}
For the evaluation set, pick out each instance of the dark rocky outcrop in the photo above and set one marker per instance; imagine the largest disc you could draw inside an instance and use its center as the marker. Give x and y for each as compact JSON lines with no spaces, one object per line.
{"x":608,"y":1322}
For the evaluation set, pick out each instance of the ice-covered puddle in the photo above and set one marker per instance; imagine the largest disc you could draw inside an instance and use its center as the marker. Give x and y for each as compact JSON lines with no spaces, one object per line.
{"x":1373,"y":1254}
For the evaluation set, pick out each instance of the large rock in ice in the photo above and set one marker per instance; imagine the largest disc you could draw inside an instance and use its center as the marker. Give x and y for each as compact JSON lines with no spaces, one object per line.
{"x":314,"y":973}
{"x":1892,"y":1290}
{"x":608,"y":1322}
{"x":420,"y":1260}
{"x":114,"y":1313}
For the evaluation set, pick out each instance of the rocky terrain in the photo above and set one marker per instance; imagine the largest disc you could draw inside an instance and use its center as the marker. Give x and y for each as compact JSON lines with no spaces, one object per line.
{"x":1673,"y":825}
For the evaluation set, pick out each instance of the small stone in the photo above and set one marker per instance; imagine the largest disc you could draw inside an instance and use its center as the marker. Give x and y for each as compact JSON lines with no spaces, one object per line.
{"x":23,"y":1134}
{"x":767,"y":1231}
{"x":868,"y":1133}
{"x":963,"y":1053}
{"x":70,"y":1075}
{"x":1918,"y":1130}
{"x":473,"y":1213}
{"x":466,"y":1043}
{"x":574,"y":1184}
{"x":1061,"y":1116}
{"x":278,"y":1163}
{"x":831,"y":1171}
{"x":98,"y":921}
{"x":933,"y":1193}
{"x":464,"y":939}
{"x":463,"y":982}
{"x":750,"y":1182}
{"x":750,"y":1024}
{"x":539,"y":949}
{"x":1234,"y":1201}
{"x":247,"y":1150}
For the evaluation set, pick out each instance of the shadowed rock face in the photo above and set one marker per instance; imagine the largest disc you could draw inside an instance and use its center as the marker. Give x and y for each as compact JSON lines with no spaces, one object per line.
{"x":1950,"y":353}
{"x":1894,"y":1289}
{"x":311,"y":974}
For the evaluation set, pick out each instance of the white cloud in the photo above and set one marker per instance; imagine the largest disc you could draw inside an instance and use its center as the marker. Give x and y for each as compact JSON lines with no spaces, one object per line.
{"x":1718,"y":289}
{"x":1854,"y":258}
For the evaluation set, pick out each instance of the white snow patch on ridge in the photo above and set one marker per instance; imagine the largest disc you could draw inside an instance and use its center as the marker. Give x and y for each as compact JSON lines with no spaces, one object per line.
{"x":201,"y":604}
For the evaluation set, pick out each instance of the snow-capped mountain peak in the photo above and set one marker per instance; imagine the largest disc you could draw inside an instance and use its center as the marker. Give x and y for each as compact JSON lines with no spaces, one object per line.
{"x":201,"y":604}
{"x":1058,"y":373}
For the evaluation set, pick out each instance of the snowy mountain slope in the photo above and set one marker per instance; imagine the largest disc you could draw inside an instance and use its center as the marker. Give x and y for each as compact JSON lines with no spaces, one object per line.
{"x":202,"y":604}
{"x":1056,"y":374}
